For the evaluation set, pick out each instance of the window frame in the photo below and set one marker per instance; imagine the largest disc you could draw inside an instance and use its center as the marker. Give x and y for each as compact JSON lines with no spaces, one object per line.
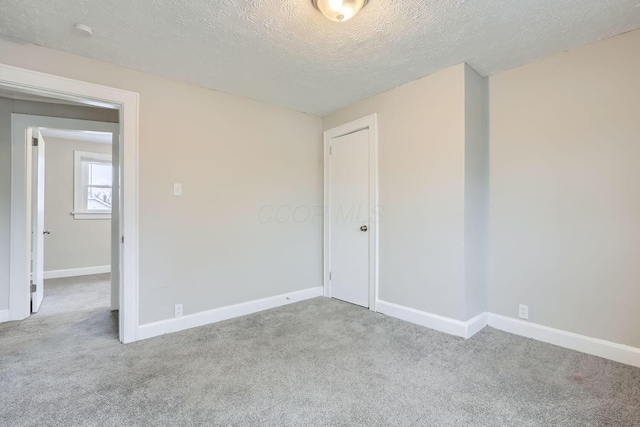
{"x":80,"y":210}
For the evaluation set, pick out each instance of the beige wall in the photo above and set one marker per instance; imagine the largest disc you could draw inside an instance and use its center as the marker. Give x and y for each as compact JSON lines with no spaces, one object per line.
{"x":422,"y":190}
{"x":7,"y":107}
{"x":73,"y":243}
{"x":565,"y":191}
{"x":209,"y":249}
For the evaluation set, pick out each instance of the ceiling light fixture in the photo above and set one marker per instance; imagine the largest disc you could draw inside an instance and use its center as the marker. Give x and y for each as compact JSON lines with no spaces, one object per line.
{"x":339,"y":10}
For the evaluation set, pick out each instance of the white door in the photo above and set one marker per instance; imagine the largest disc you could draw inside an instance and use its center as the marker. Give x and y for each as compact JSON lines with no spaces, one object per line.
{"x":37,"y":227}
{"x":116,"y":232}
{"x":349,"y":175}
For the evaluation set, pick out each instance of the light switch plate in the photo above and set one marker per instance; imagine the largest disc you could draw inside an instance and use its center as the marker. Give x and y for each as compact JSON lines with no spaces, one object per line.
{"x":177,"y":189}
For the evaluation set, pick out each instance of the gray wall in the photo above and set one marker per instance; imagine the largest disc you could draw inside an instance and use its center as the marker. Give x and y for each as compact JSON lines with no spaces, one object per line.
{"x":73,"y":243}
{"x":8,"y":106}
{"x":208,"y":248}
{"x":476,"y":219}
{"x":565,"y":191}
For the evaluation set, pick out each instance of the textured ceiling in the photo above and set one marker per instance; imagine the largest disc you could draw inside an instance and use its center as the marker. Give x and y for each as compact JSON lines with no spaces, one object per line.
{"x":284,"y":52}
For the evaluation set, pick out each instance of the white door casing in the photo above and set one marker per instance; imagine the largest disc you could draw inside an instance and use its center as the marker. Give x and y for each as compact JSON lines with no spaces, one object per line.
{"x":350,"y":254}
{"x":37,"y":190}
{"x":41,"y":84}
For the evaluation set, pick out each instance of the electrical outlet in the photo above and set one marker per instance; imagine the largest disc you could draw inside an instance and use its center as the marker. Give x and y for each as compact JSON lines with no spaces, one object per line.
{"x":524,"y":312}
{"x":177,"y":189}
{"x":178,"y":310}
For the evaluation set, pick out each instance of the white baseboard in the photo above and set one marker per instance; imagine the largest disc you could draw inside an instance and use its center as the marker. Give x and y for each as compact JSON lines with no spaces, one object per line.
{"x":4,"y":316}
{"x":476,"y":324}
{"x":434,"y":321}
{"x":223,"y":313}
{"x":594,"y":346}
{"x":72,"y":272}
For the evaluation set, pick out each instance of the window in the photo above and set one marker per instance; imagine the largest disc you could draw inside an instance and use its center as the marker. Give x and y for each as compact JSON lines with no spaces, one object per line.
{"x":93,"y":180}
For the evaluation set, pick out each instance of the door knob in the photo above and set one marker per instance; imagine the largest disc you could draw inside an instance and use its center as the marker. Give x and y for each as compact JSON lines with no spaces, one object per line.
{"x":364,"y":228}
{"x":46,"y":232}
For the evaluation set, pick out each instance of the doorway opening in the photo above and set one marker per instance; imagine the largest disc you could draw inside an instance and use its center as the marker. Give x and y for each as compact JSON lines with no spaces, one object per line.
{"x":96,"y":196}
{"x":72,"y":197}
{"x":70,"y":184}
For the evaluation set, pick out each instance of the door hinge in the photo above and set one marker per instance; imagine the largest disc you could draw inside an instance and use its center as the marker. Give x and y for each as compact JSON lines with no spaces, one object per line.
{"x":329,"y":276}
{"x":122,"y":239}
{"x":33,"y":287}
{"x":330,"y":150}
{"x":34,"y":142}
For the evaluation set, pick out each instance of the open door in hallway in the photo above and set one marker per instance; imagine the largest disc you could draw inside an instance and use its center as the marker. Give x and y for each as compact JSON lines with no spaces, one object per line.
{"x":37,"y":227}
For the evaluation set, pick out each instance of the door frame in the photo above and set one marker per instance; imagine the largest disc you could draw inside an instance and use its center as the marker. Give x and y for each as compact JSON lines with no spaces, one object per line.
{"x":20,"y":182}
{"x":369,"y":122}
{"x":51,"y":86}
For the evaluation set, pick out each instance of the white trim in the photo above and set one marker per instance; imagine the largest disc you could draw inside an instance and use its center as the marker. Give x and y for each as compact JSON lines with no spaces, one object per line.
{"x":90,"y":215}
{"x":369,"y":122}
{"x":4,"y":316}
{"x":224,"y":313}
{"x":594,"y":346}
{"x":73,"y":272}
{"x":606,"y":349}
{"x":40,"y":84}
{"x":20,"y":232}
{"x":434,"y":321}
{"x":476,"y":324}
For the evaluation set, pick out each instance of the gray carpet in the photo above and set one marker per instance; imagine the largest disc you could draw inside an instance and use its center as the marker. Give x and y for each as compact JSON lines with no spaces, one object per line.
{"x":319,"y":362}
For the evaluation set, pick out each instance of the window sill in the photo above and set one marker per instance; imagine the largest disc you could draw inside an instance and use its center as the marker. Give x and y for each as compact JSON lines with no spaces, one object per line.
{"x":90,"y":215}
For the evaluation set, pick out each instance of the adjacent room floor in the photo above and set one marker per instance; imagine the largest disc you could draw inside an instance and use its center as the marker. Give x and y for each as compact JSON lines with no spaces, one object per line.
{"x":318,"y":362}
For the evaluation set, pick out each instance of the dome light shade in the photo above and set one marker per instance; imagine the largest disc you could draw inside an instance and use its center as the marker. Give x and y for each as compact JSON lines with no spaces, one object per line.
{"x":339,"y":10}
